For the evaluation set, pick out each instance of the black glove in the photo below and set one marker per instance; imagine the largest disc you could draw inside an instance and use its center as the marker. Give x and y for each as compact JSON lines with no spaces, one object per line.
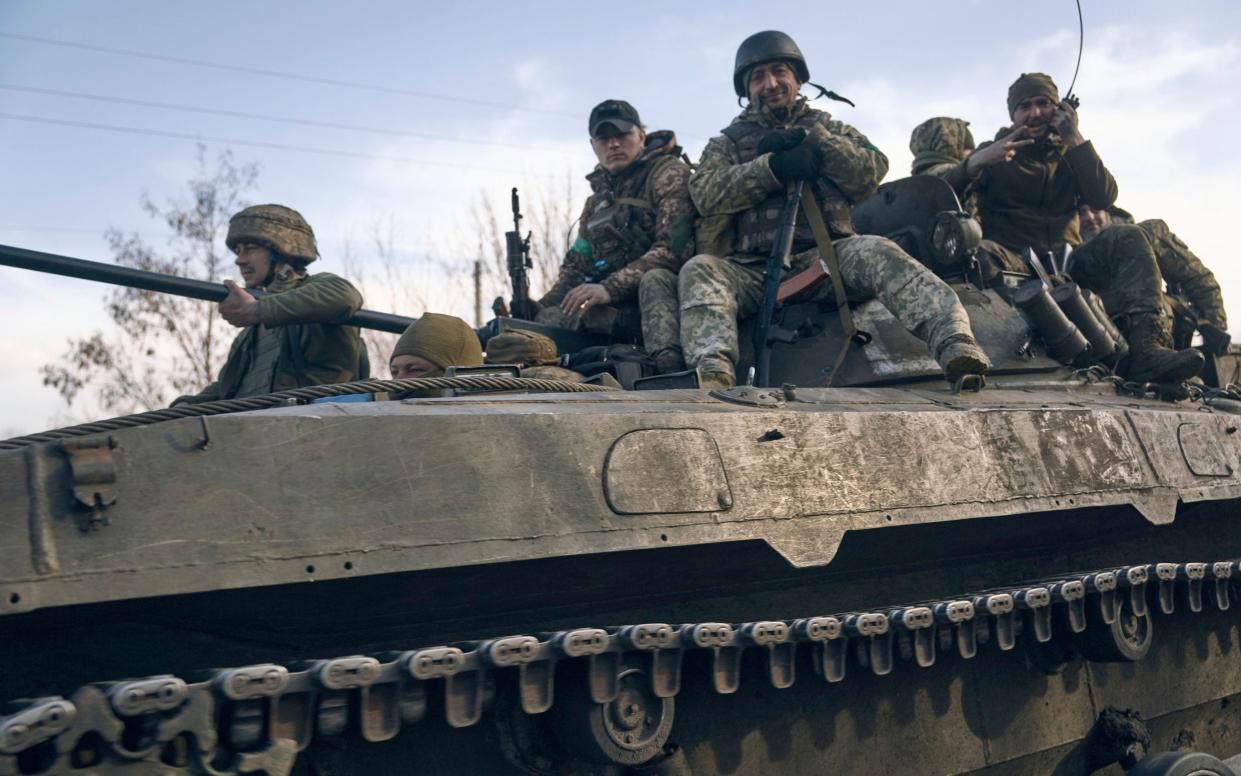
{"x":781,"y":140}
{"x":799,"y":162}
{"x":1215,"y":340}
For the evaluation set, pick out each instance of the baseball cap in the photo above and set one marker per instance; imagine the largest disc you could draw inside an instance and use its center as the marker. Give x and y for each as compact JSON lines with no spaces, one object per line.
{"x":618,"y":113}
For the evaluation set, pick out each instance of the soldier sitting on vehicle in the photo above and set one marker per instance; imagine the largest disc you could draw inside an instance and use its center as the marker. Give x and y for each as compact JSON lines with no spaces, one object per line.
{"x":433,"y":343}
{"x":635,"y":232}
{"x":1192,"y":291}
{"x":292,"y":335}
{"x":739,"y":188}
{"x":1030,"y":183}
{"x":940,"y":144}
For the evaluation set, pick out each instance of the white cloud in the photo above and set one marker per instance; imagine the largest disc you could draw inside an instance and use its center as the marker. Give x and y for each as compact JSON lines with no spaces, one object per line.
{"x":1150,"y":98}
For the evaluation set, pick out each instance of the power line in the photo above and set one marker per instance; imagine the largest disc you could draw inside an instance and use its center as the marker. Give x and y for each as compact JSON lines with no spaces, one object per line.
{"x":281,"y":74}
{"x":254,"y":143}
{"x":267,"y":117}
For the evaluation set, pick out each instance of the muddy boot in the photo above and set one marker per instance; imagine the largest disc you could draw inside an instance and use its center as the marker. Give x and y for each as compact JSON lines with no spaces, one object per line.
{"x":1151,"y":360}
{"x":721,"y":380}
{"x":715,"y":373}
{"x":960,"y":356}
{"x":668,"y":360}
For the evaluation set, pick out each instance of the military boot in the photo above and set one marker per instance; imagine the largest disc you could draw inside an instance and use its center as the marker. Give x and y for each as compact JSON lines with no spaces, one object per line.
{"x":715,"y":373}
{"x":960,"y":355}
{"x":721,"y":380}
{"x":1151,"y":360}
{"x":668,"y":360}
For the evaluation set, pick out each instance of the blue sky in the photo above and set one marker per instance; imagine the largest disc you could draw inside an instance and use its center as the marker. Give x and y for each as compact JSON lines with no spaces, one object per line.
{"x":1157,"y":87}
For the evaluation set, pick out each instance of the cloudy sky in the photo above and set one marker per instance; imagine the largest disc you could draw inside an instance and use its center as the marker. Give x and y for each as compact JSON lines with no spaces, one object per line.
{"x":433,"y":105}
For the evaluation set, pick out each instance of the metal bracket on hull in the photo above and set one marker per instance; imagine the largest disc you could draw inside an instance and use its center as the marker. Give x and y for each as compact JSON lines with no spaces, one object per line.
{"x":94,"y":475}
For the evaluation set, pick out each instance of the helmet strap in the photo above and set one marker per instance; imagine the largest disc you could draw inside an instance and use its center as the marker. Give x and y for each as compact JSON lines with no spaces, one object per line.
{"x":824,"y":92}
{"x":275,"y":262}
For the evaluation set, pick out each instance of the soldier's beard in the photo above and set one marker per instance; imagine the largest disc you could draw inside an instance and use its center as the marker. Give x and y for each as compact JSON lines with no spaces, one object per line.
{"x":765,"y":100}
{"x":1039,"y":130}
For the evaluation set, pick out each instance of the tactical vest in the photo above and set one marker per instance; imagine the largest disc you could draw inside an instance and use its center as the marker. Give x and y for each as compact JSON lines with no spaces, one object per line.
{"x":619,"y":226}
{"x":758,"y":226}
{"x":260,"y":375}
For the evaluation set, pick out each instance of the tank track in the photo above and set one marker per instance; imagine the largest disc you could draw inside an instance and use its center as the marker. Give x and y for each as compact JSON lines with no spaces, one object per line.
{"x":258,"y":717}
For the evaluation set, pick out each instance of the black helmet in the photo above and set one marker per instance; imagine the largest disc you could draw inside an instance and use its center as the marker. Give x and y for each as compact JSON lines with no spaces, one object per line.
{"x":766,"y":47}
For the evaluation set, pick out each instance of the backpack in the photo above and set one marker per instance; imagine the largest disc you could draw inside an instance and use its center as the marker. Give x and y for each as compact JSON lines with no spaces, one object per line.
{"x":624,"y":362}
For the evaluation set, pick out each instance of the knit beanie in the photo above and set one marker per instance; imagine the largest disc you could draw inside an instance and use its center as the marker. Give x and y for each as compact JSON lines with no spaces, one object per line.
{"x":444,"y":340}
{"x":1031,"y":85}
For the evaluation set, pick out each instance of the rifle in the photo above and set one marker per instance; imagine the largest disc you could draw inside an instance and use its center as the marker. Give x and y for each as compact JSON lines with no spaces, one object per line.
{"x":776,"y":263}
{"x":519,"y":263}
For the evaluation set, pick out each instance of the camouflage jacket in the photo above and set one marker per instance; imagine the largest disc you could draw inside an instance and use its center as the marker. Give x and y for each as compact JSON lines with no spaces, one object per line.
{"x":1186,"y":275}
{"x":723,"y":184}
{"x":315,"y":349}
{"x":1032,"y":201}
{"x":660,"y":221}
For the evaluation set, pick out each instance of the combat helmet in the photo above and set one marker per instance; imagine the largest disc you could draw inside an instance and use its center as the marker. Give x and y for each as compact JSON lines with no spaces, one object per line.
{"x":277,"y":227}
{"x":767,"y":46}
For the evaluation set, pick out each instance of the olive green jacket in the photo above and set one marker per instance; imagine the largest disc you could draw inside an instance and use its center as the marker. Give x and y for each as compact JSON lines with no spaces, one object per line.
{"x":1032,"y":201}
{"x":315,"y":349}
{"x":1186,"y":275}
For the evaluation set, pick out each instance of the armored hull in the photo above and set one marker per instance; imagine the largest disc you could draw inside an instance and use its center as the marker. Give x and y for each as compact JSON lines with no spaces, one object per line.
{"x":882,"y":576}
{"x":899,"y":580}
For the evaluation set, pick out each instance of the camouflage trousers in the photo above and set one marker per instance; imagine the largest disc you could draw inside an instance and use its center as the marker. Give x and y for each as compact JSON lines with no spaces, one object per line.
{"x":715,"y":292}
{"x":661,"y":319}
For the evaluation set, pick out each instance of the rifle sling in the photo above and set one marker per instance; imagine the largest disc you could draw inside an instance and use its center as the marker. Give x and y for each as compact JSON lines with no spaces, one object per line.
{"x":827,"y":251}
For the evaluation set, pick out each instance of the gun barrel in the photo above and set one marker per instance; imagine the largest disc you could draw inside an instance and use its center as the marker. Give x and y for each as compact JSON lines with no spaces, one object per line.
{"x":101,"y":272}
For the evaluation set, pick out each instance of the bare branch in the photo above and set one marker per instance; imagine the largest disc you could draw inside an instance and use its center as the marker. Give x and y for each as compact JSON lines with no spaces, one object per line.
{"x":163,"y":345}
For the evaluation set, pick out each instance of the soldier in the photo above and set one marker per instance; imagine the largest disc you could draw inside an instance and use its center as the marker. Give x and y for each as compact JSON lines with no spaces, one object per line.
{"x":292,"y":335}
{"x":939,"y":145}
{"x":739,"y":188}
{"x":1192,"y":290}
{"x":433,"y":343}
{"x":1030,"y":183}
{"x":635,"y":232}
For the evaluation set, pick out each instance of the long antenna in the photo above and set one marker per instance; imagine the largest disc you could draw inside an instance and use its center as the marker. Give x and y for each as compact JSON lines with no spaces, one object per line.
{"x":1081,"y":43}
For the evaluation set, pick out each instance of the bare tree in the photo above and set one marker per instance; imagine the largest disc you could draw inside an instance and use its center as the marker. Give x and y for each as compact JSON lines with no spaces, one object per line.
{"x":163,"y":345}
{"x":393,"y":281}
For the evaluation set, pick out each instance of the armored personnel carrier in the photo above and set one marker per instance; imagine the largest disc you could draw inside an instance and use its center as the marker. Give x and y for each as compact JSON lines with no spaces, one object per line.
{"x":886,"y":575}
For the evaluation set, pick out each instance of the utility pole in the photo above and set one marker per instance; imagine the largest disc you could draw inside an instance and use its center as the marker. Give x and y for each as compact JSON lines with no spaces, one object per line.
{"x":478,"y":292}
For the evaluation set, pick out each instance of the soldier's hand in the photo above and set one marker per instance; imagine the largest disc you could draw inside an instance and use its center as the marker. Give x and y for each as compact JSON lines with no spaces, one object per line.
{"x":1064,"y":124}
{"x":999,"y":152}
{"x":781,"y":140}
{"x":1215,"y":340}
{"x":582,"y":297}
{"x":800,"y":162}
{"x":239,"y":308}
